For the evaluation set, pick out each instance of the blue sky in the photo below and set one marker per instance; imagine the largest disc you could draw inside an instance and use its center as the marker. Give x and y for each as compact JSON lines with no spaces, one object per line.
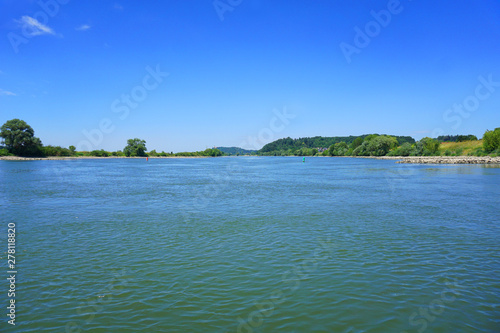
{"x":243,"y":72}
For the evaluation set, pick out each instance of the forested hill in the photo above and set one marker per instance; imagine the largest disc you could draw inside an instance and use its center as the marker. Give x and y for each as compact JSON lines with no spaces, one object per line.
{"x":320,"y":142}
{"x":236,"y":151}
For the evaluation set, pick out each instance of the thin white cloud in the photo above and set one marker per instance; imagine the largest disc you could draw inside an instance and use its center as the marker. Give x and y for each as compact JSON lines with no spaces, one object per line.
{"x":6,"y":93}
{"x":83,"y":27}
{"x":118,"y":6}
{"x":34,"y":27}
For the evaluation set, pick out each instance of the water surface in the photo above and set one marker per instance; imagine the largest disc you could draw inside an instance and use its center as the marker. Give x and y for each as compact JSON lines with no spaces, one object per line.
{"x":252,"y":244}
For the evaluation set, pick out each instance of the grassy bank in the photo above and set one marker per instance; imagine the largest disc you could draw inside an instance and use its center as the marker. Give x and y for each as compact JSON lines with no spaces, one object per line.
{"x":460,"y":148}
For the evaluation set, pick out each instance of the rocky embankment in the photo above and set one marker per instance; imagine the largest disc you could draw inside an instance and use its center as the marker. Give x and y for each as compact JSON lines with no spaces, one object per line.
{"x":449,"y":160}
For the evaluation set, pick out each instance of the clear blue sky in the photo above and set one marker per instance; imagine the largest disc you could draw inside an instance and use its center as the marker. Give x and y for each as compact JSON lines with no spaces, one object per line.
{"x":64,"y":69}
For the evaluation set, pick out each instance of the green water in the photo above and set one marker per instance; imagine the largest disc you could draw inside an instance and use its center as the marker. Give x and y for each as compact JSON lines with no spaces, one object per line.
{"x":251,"y":245}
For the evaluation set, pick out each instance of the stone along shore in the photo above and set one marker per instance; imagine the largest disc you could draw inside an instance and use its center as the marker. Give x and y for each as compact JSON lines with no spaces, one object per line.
{"x":449,"y":160}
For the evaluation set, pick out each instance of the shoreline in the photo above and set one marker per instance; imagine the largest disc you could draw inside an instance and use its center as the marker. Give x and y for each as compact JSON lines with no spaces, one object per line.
{"x":398,"y":159}
{"x":449,"y":160}
{"x":65,"y":158}
{"x":438,"y":159}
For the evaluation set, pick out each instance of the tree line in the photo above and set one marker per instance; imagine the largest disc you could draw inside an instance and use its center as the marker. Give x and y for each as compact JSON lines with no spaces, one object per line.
{"x":378,"y":145}
{"x":19,"y":140}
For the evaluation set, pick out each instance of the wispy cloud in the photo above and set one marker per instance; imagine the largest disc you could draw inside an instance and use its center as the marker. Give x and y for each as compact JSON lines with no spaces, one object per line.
{"x":34,"y":27}
{"x":6,"y":93}
{"x":83,"y":27}
{"x":118,"y":6}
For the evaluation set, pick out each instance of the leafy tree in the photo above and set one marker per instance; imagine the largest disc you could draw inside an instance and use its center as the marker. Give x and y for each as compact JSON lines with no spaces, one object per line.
{"x":72,"y":149}
{"x":338,"y":149}
{"x":20,"y":139}
{"x":135,"y":147}
{"x":426,"y":147}
{"x":212,"y":152}
{"x":376,"y":145}
{"x":456,"y":138}
{"x":381,"y":145}
{"x":99,"y":153}
{"x":55,"y":151}
{"x":357,"y":142}
{"x":491,"y":140}
{"x":403,"y":150}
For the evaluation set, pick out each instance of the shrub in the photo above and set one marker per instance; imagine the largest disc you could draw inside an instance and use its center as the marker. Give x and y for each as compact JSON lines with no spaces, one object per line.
{"x":403,"y":150}
{"x":99,"y":153}
{"x":491,"y":140}
{"x":4,"y":152}
{"x":56,"y":151}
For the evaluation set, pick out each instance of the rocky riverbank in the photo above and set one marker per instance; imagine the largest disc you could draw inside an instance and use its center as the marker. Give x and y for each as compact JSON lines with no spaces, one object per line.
{"x":449,"y":160}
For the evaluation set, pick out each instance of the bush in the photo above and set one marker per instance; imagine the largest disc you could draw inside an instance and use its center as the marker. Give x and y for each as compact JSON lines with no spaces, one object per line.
{"x":403,"y":150}
{"x":99,"y":153}
{"x":426,"y":147}
{"x":491,"y":140}
{"x":56,"y":151}
{"x":477,"y":152}
{"x":338,"y":149}
{"x":376,"y":145}
{"x":4,"y":152}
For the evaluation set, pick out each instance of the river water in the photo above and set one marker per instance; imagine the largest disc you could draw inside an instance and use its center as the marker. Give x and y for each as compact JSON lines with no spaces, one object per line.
{"x":251,"y":244}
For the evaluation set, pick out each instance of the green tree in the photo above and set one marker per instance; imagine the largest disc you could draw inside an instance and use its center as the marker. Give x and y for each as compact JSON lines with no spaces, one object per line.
{"x":338,"y":149}
{"x":72,"y":149}
{"x":357,"y":142}
{"x":404,"y":150}
{"x":211,"y":152}
{"x":135,"y":147}
{"x":19,"y":138}
{"x":376,"y":145}
{"x":381,"y":145}
{"x":426,"y":147}
{"x":491,"y":140}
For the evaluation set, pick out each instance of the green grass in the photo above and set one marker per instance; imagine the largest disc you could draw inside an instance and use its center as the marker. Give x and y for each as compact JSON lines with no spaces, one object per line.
{"x":460,"y":148}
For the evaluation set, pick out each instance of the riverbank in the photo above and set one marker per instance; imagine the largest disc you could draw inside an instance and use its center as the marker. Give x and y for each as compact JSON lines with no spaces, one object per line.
{"x":449,"y":160}
{"x":398,"y":159}
{"x":438,"y":159}
{"x":18,"y":158}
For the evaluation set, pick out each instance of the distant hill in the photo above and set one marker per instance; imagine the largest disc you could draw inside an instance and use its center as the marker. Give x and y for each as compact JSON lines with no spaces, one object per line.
{"x":319,"y":142}
{"x":236,"y":151}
